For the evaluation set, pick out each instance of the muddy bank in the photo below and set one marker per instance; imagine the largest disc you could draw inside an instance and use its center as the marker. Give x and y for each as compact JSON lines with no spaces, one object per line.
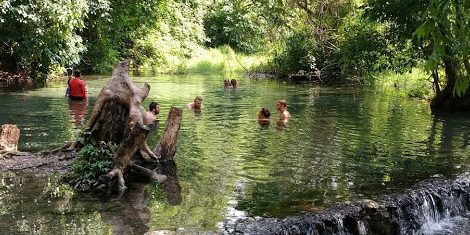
{"x":407,"y":213}
{"x":37,"y":163}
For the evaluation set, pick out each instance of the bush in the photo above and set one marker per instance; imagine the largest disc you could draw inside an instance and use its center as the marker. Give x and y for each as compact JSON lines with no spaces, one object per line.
{"x":231,"y":24}
{"x":296,"y":55}
{"x":91,"y":163}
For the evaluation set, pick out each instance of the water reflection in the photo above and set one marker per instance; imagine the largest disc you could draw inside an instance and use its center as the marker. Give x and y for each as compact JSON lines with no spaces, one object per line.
{"x":281,"y":124}
{"x":171,"y":185}
{"x":341,"y":144}
{"x":78,"y":110}
{"x":264,"y":124}
{"x":130,"y":213}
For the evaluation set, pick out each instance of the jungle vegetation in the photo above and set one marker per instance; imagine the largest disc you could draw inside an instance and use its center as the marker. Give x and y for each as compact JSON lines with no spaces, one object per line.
{"x":342,"y":41}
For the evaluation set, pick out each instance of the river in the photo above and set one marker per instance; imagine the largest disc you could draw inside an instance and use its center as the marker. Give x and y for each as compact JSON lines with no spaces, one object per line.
{"x":341,"y":144}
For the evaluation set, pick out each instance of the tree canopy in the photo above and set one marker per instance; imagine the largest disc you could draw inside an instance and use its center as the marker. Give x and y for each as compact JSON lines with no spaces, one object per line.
{"x":331,"y":41}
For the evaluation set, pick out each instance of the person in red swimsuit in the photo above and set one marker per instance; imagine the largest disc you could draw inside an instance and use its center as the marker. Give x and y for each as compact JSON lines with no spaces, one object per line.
{"x":78,"y":89}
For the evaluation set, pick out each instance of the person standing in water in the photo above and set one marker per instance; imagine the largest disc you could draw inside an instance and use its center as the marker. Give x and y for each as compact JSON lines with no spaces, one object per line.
{"x":263,"y":117}
{"x":78,"y":89}
{"x":281,"y":106}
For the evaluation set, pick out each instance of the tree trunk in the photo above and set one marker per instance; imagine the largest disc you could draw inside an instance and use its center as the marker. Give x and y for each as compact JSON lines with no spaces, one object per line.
{"x":118,"y":117}
{"x":445,"y":100}
{"x":9,"y":136}
{"x":166,"y":148}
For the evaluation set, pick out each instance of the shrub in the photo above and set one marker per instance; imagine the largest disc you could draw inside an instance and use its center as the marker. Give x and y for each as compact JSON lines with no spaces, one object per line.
{"x":92,"y":162}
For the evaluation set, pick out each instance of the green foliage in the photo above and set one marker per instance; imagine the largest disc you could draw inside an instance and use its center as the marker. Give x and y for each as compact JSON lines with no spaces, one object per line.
{"x":220,"y":60}
{"x":363,"y":50}
{"x":113,"y":27}
{"x":230,"y":22}
{"x":91,"y":163}
{"x":413,"y":84}
{"x":37,"y":35}
{"x":296,"y":54}
{"x":446,"y":31}
{"x":438,"y":31}
{"x":248,"y":26}
{"x":173,"y":39}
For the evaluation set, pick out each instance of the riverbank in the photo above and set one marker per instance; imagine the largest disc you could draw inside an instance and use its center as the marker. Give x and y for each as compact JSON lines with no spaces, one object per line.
{"x":15,"y":81}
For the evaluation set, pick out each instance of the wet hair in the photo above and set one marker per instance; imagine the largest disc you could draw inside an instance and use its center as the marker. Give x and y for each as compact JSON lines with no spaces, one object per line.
{"x":153,"y":105}
{"x":233,"y":82}
{"x":283,"y":102}
{"x":265,"y":112}
{"x":77,"y":73}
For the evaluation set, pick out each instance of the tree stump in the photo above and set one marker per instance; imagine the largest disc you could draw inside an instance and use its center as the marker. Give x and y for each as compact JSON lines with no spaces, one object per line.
{"x":9,"y":136}
{"x":118,"y":117}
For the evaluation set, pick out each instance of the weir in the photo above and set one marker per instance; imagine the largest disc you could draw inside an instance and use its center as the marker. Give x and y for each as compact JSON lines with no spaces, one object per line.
{"x":412,"y":212}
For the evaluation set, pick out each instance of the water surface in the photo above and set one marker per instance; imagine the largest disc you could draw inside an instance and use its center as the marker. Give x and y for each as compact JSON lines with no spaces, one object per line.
{"x":341,"y":144}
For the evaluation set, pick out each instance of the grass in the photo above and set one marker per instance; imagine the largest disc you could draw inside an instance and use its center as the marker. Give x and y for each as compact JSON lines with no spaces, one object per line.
{"x":220,"y":60}
{"x":414,"y":84}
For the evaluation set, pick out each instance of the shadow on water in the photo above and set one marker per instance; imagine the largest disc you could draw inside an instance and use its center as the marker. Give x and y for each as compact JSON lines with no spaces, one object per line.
{"x":129,"y":213}
{"x":50,"y":204}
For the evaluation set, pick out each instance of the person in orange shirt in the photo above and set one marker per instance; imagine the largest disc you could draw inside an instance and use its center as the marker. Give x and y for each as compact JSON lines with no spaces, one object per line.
{"x":78,"y":89}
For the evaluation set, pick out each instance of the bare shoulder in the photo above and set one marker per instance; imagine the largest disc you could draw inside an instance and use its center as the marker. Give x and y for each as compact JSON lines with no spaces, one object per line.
{"x":286,"y":114}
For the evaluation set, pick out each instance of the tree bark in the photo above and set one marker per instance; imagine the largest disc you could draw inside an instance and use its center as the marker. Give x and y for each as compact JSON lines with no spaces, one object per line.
{"x":9,"y":136}
{"x":445,"y":100}
{"x":166,"y":148}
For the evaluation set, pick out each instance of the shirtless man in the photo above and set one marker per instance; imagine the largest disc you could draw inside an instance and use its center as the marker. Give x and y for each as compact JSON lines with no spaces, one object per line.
{"x":154,"y":109}
{"x":281,"y":107}
{"x":196,"y":104}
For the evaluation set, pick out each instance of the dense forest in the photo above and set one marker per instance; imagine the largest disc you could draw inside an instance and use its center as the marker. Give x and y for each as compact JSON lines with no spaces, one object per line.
{"x":347,"y":41}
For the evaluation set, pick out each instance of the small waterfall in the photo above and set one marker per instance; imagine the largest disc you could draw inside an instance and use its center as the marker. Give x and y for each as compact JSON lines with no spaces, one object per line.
{"x":361,"y":227}
{"x":414,"y":212}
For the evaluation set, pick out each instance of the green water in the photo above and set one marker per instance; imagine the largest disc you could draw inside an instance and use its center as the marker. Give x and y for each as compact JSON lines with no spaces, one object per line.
{"x":341,"y":144}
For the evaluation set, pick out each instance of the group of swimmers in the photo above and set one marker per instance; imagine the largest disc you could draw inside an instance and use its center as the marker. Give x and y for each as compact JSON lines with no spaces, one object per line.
{"x":284,"y":115}
{"x":230,"y":83}
{"x":263,"y":115}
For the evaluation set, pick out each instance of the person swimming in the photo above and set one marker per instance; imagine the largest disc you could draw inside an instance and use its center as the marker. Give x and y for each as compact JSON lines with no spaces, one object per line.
{"x":263,"y":117}
{"x":227,"y":83}
{"x":196,"y":104}
{"x":264,"y":114}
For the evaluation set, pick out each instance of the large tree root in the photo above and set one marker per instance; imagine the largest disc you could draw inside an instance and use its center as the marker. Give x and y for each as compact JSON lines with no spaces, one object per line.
{"x":119,"y":91}
{"x":125,"y":152}
{"x":166,"y":149}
